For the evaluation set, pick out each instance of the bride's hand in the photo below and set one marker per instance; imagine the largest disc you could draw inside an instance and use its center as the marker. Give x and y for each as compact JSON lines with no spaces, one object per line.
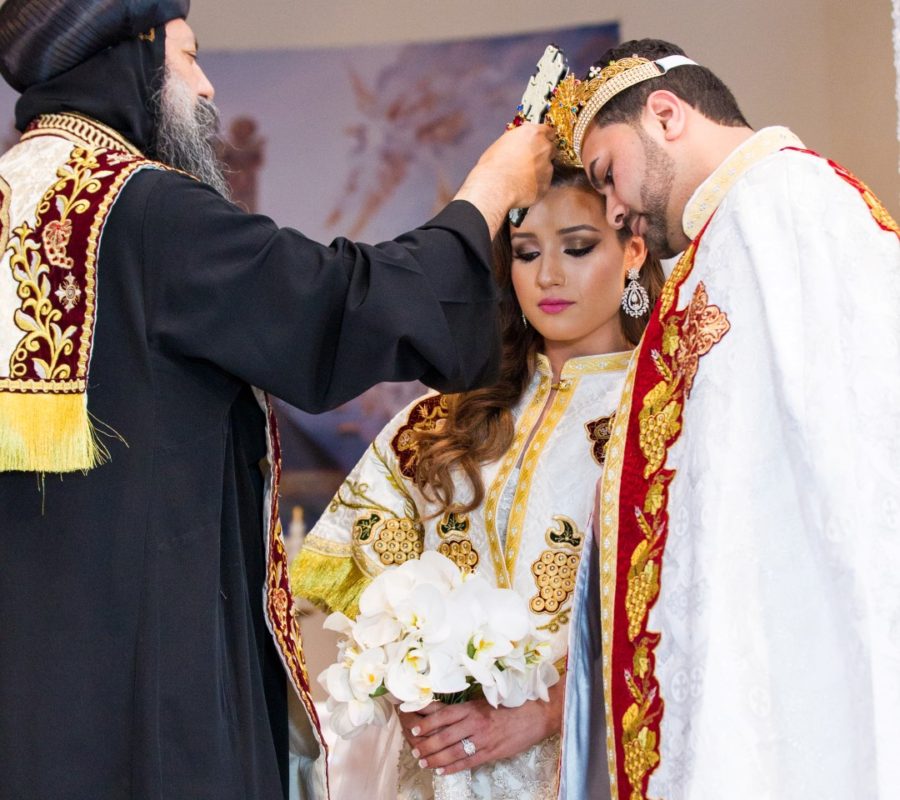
{"x":435,"y":734}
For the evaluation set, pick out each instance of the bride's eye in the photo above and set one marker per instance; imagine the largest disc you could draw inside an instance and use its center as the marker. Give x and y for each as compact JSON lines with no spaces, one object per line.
{"x":579,"y":252}
{"x":525,"y":255}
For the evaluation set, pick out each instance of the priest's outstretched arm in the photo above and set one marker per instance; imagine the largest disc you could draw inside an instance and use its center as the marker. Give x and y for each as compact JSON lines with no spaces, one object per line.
{"x":318,"y":324}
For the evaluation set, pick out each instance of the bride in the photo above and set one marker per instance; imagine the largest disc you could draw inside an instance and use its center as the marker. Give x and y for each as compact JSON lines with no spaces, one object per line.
{"x":501,"y":480}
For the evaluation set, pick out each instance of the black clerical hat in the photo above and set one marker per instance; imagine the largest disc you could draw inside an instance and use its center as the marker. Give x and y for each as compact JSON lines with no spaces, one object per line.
{"x":40,"y":39}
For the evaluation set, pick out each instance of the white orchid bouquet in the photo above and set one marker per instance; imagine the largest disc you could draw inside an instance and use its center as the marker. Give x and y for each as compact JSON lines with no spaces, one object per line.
{"x":427,"y":632}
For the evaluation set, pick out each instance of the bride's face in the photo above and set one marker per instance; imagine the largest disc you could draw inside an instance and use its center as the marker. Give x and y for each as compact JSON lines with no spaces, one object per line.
{"x":568,"y":272}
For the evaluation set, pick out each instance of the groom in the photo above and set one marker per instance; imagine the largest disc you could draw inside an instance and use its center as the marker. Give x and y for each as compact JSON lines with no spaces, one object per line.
{"x":749,"y":517}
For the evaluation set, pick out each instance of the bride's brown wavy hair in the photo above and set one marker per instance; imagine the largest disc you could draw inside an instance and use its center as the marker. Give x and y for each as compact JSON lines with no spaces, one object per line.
{"x":479,"y":427}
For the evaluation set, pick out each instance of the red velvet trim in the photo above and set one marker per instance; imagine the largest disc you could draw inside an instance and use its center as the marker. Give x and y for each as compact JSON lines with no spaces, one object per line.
{"x":65,"y":242}
{"x":279,"y":599}
{"x":633,"y":656}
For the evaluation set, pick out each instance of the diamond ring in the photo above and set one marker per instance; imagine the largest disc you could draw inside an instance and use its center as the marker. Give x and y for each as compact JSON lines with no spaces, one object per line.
{"x":468,"y":747}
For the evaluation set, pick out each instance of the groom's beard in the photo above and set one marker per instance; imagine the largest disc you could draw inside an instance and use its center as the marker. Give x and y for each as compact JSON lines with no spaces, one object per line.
{"x":185,"y":131}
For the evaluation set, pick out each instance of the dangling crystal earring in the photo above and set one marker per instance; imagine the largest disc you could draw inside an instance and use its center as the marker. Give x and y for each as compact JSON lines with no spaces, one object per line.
{"x":635,"y":300}
{"x":524,"y":319}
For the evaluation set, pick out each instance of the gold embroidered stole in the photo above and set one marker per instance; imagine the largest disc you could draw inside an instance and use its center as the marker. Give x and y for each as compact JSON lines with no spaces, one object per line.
{"x":634,"y":521}
{"x":50,"y":230}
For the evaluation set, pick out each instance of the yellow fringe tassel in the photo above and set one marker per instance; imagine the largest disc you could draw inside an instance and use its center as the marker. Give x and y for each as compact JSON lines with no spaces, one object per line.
{"x":333,"y":583}
{"x":47,"y":433}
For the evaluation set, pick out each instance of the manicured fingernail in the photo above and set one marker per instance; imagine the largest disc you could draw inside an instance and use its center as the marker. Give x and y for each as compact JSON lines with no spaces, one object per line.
{"x":439,"y":771}
{"x":423,"y":763}
{"x":416,"y":731}
{"x":416,"y":753}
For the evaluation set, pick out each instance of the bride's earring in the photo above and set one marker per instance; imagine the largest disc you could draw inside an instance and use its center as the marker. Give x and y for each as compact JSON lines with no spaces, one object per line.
{"x":635,"y":300}
{"x":524,"y":319}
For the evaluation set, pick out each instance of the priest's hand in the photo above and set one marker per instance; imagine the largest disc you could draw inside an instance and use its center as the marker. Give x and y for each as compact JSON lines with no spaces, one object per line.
{"x":436,"y":732}
{"x":514,"y":172}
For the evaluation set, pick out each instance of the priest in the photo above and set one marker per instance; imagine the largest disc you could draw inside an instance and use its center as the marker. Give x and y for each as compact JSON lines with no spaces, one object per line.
{"x":148,"y":636}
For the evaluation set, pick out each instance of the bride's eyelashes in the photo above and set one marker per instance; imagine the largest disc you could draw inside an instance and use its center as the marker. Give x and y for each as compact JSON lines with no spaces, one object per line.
{"x":574,"y":252}
{"x":580,"y":252}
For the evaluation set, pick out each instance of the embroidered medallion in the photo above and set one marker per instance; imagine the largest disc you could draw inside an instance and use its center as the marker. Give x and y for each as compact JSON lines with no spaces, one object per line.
{"x":425,"y":415}
{"x":455,"y":544}
{"x":554,"y":573}
{"x":362,"y":528}
{"x":555,"y":570}
{"x":599,"y":432}
{"x":452,"y":523}
{"x":398,"y":540}
{"x":566,"y":535}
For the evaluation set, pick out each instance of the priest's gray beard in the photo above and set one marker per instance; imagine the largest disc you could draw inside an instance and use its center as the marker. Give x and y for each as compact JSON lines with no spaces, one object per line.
{"x":185,"y":131}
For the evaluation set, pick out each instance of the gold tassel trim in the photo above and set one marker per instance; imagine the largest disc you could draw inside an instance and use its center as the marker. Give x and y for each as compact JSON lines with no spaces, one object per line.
{"x":331,"y":582}
{"x":47,"y":433}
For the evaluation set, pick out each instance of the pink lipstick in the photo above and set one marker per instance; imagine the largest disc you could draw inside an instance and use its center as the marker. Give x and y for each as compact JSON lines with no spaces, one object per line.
{"x":553,"y":305}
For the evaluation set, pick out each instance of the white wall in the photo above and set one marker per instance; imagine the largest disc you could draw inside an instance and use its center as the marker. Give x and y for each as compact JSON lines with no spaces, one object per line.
{"x":822,"y":67}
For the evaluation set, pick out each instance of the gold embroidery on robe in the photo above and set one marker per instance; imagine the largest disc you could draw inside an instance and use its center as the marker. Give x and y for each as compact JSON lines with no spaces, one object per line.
{"x":395,"y":538}
{"x":425,"y":415}
{"x":599,"y":432}
{"x":38,"y":316}
{"x":686,"y":337}
{"x":455,"y":544}
{"x":555,"y":570}
{"x":398,"y":540}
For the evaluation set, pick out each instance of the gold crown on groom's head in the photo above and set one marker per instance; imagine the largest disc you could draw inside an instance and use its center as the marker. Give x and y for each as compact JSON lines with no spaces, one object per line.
{"x":575,"y":103}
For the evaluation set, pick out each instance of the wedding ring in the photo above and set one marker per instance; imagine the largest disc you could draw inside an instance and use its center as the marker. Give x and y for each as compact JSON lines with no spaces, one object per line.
{"x":468,"y":747}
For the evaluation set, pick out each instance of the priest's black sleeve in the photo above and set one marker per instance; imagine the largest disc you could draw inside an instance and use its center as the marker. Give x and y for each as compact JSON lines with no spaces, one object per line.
{"x":315,"y":325}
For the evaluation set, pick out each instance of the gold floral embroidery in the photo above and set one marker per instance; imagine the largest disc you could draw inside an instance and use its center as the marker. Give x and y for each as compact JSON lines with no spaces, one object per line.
{"x":685,"y":337}
{"x":425,"y":415}
{"x":280,"y":604}
{"x":395,"y":538}
{"x":704,"y":326}
{"x":659,"y":419}
{"x":599,"y":432}
{"x":38,"y":318}
{"x":643,"y":574}
{"x":639,"y":740}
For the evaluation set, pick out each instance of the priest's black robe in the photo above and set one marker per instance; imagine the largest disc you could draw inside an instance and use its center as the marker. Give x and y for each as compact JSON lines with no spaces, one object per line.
{"x":134,"y":660}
